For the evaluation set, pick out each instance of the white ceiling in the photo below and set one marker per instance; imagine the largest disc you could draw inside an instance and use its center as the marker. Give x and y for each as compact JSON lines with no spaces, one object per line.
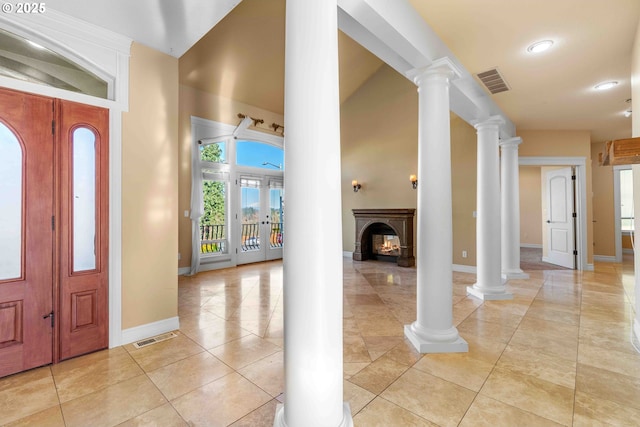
{"x":170,"y":26}
{"x":553,"y":90}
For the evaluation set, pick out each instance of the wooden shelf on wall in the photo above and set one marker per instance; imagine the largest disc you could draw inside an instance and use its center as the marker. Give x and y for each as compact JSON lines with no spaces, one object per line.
{"x":620,"y":152}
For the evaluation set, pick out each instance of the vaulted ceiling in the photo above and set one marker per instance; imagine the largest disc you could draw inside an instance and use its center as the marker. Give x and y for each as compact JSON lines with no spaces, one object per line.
{"x":236,"y":49}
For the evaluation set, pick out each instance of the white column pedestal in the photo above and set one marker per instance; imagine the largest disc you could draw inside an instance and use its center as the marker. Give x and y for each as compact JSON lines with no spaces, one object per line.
{"x":313,"y":274}
{"x":347,"y":420}
{"x":433,"y":331}
{"x":490,"y":285}
{"x":510,"y":213}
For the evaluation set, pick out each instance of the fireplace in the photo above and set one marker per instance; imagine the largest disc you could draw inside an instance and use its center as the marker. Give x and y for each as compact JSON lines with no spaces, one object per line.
{"x":384,"y":234}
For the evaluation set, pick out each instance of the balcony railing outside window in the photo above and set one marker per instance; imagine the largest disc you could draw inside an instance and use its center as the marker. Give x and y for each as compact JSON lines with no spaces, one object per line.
{"x":213,"y":238}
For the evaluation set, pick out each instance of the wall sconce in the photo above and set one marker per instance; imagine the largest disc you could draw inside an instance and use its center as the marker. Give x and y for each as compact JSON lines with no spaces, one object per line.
{"x":414,"y":181}
{"x":356,"y":186}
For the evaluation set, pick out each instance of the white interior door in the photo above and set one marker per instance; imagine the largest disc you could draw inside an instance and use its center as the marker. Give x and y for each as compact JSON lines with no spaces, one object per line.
{"x":560,"y":241}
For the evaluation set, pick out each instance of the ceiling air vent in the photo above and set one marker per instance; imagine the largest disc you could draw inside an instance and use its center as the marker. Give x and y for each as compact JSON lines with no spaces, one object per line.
{"x":493,"y":81}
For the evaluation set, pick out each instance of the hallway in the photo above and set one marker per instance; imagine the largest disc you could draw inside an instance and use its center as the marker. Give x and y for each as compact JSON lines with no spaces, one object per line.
{"x":557,"y":354}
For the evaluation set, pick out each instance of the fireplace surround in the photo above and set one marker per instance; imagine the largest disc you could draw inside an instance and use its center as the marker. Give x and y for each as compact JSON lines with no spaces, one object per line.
{"x":397,"y":222}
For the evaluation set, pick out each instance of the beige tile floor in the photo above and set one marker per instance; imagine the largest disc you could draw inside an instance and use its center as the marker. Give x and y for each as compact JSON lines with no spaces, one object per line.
{"x":557,"y":354}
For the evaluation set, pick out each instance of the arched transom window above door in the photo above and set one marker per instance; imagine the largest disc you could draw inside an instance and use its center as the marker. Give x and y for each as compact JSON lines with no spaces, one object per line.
{"x":29,"y":61}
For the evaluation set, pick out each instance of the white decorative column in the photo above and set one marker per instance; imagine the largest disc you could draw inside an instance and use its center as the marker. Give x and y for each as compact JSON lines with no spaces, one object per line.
{"x":433,"y":331}
{"x":489,"y":285}
{"x":312,"y":273}
{"x":636,"y":252}
{"x":510,"y":209}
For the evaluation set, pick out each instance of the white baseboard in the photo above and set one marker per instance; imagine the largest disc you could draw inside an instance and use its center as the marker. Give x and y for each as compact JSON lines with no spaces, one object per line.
{"x":347,"y":254}
{"x":183,"y":270}
{"x":465,"y":268}
{"x":604,"y":258}
{"x":531,"y":245}
{"x":589,"y":267}
{"x":138,"y":333}
{"x":627,"y":251}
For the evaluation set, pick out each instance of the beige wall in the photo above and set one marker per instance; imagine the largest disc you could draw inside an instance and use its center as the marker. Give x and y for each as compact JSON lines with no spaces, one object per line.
{"x":194,"y":102}
{"x":563,"y":143}
{"x":603,"y":206}
{"x":463,"y":182}
{"x":150,"y":190}
{"x":530,"y":205}
{"x":379,"y":140}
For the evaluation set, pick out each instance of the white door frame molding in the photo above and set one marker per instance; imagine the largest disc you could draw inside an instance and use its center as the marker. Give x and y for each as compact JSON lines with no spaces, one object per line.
{"x":204,"y":128}
{"x":581,"y":198}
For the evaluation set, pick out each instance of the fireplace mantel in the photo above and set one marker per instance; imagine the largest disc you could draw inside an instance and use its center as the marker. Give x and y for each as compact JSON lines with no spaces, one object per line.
{"x":399,"y":220}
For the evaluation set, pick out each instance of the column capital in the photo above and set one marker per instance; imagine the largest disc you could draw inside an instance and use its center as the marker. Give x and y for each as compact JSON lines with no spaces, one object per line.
{"x":511,"y":142}
{"x":496,"y":121}
{"x":440,"y":67}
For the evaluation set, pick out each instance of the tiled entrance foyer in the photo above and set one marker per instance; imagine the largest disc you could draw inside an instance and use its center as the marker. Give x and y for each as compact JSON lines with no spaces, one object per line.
{"x":558,"y":354}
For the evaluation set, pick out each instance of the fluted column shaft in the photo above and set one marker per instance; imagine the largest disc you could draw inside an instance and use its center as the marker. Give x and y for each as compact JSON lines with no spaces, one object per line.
{"x":312,"y":273}
{"x":489,"y":284}
{"x":510,"y":209}
{"x":433,"y":331}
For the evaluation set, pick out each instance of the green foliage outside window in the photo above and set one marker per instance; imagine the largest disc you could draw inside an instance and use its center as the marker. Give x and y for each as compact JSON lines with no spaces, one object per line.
{"x":213,"y":191}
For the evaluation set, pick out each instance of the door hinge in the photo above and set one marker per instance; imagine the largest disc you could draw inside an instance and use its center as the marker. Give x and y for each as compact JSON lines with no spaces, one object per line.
{"x":573,"y":177}
{"x":51,"y":316}
{"x":236,"y":251}
{"x":53,"y":127}
{"x":575,"y":252}
{"x":575,"y":215}
{"x":53,"y":223}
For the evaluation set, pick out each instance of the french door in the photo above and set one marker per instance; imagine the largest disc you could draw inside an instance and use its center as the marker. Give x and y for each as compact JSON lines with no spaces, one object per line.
{"x":260,"y":218}
{"x":53,"y":230}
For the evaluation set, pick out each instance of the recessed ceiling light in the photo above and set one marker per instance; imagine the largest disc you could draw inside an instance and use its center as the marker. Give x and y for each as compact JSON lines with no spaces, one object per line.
{"x":540,"y":46}
{"x":605,"y":85}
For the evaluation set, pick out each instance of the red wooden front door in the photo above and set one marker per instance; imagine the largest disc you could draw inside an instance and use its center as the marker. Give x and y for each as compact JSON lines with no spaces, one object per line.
{"x":84,"y":225}
{"x":53,"y":230}
{"x":26,"y":231}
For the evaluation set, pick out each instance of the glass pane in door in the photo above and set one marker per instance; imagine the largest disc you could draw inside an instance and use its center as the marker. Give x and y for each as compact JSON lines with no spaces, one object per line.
{"x":276,"y":208}
{"x":250,"y":211}
{"x":84,"y":200}
{"x":10,"y":205}
{"x":213,"y":230}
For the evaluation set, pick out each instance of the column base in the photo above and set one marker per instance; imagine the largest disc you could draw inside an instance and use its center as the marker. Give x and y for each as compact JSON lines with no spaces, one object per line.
{"x":347,"y":419}
{"x":492,"y":295}
{"x":515,"y":274}
{"x":423,"y":345}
